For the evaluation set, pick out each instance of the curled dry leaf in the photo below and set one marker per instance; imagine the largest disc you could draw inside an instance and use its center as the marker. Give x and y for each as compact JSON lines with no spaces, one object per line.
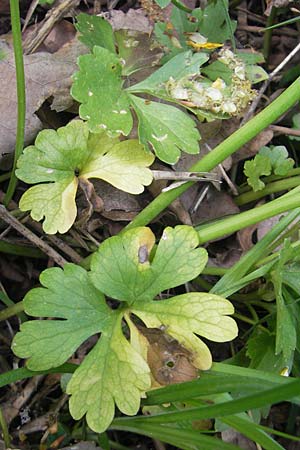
{"x":169,"y":361}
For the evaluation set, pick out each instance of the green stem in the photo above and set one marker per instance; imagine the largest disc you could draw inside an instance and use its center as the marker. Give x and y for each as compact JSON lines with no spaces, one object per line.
{"x":21,"y":250}
{"x":291,"y":173}
{"x":17,"y":42}
{"x":218,"y":271}
{"x":181,"y":6}
{"x":11,"y":311}
{"x":21,"y":374}
{"x":235,"y":141}
{"x":4,"y":428}
{"x":271,"y":188}
{"x":5,"y":176}
{"x":236,"y":222}
{"x":274,"y":255}
{"x":268,"y":34}
{"x":244,"y":319}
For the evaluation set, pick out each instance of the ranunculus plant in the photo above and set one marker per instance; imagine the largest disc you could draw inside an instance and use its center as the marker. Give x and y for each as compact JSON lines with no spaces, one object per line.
{"x":125,"y":362}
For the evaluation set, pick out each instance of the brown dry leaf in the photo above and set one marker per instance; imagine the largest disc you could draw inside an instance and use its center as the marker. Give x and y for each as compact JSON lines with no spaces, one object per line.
{"x":118,"y":205}
{"x":134,"y":19}
{"x":62,"y":33}
{"x":214,"y":206}
{"x":245,"y":237}
{"x":168,"y":360}
{"x":47,"y":75}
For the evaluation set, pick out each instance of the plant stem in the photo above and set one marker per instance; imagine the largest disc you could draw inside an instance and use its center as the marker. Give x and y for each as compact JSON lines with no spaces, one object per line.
{"x":236,"y":222}
{"x":270,"y":179}
{"x":4,"y":428}
{"x":20,"y":76}
{"x":268,"y":34}
{"x":181,"y":6}
{"x":20,"y":250}
{"x":11,"y":311}
{"x":5,"y":176}
{"x":258,"y":123}
{"x":272,"y":188}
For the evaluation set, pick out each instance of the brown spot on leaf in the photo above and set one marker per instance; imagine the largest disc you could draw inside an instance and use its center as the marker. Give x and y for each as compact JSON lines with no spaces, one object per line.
{"x":143,"y":254}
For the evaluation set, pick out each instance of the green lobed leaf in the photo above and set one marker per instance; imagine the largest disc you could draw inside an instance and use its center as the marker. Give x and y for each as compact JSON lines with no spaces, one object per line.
{"x":122,"y":164}
{"x":78,"y":309}
{"x":137,"y":50}
{"x":95,"y":30}
{"x":98,"y":82}
{"x":135,"y":275}
{"x":113,"y":372}
{"x":55,"y":202}
{"x":186,"y":315}
{"x":278,"y":155}
{"x":165,"y":129}
{"x":255,"y":168}
{"x":70,"y":154}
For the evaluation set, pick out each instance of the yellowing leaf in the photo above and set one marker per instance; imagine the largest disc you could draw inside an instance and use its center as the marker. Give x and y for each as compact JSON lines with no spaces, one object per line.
{"x":124,"y":166}
{"x":113,"y":372}
{"x":78,"y":310}
{"x":55,"y":202}
{"x":71,"y":153}
{"x":189,"y":314}
{"x":138,"y":277}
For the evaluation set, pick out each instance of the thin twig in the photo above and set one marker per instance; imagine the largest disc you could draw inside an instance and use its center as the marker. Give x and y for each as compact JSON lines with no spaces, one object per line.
{"x":55,"y":240}
{"x":11,"y":220}
{"x":183,"y":176}
{"x":285,"y":130}
{"x":53,"y":16}
{"x":254,"y":104}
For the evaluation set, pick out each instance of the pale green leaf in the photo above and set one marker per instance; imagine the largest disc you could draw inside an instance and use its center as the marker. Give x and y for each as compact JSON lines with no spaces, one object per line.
{"x":256,"y":74}
{"x":189,"y":314}
{"x":113,"y":372}
{"x":78,"y":310}
{"x":95,"y":30}
{"x":124,"y":165}
{"x":55,"y":202}
{"x":98,"y":87}
{"x":165,"y":129}
{"x":123,"y":269}
{"x":70,"y":154}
